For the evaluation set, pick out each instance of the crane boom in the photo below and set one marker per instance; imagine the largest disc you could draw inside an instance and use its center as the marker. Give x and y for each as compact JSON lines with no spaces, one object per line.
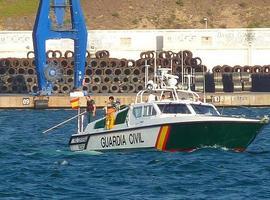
{"x":57,"y":19}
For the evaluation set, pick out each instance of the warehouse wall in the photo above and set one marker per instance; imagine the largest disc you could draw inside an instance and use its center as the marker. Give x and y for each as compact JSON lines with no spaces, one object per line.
{"x":214,"y":46}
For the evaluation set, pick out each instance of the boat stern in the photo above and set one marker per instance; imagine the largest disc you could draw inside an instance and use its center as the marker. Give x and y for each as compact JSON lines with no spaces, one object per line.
{"x":78,"y":142}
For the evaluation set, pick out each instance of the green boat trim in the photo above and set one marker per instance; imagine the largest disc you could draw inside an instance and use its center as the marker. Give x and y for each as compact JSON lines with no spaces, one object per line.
{"x":231,"y":135}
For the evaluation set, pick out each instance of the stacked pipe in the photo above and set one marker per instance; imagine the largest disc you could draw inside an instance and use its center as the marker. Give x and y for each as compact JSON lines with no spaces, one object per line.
{"x":209,"y":82}
{"x":217,"y":73}
{"x":112,"y":75}
{"x":103,"y":74}
{"x":199,"y":75}
{"x":261,"y":78}
{"x":176,"y":61}
{"x":241,"y":78}
{"x":16,"y":75}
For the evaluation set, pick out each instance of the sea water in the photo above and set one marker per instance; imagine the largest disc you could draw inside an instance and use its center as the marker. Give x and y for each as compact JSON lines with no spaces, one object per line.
{"x":34,"y":165}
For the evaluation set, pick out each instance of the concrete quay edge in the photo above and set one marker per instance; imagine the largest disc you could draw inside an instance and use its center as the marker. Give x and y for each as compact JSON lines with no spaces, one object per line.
{"x":25,"y":101}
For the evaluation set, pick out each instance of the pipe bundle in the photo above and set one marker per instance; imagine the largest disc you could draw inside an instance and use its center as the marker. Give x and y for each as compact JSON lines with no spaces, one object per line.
{"x":103,"y":74}
{"x":241,"y":78}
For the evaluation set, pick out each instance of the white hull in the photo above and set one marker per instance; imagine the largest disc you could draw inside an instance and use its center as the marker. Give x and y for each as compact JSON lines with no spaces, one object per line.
{"x":150,"y":135}
{"x":142,"y":138}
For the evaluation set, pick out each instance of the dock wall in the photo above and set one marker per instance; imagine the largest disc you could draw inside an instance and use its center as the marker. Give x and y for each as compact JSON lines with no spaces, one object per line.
{"x":218,"y":99}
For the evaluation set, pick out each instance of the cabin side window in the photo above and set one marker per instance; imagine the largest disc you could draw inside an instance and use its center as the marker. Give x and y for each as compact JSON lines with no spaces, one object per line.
{"x":137,"y":112}
{"x":149,"y":111}
{"x":174,"y":108}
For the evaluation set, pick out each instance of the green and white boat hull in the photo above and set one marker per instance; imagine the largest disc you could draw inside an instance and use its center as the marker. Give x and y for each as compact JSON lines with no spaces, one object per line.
{"x":173,"y":134}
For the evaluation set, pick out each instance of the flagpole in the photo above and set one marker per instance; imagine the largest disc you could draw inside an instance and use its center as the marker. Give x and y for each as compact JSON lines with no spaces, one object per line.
{"x":78,"y":122}
{"x":64,"y":122}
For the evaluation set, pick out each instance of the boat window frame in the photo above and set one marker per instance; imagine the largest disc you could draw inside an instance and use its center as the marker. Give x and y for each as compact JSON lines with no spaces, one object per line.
{"x":153,"y":111}
{"x":137,"y":108}
{"x":144,"y":110}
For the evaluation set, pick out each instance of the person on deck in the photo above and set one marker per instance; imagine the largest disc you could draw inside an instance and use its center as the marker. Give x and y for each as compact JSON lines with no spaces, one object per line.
{"x":117,"y":104}
{"x":110,"y":110}
{"x":163,"y":97}
{"x":90,"y":108}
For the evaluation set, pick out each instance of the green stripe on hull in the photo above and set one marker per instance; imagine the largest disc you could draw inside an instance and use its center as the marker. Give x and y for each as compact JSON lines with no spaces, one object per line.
{"x":232,"y":135}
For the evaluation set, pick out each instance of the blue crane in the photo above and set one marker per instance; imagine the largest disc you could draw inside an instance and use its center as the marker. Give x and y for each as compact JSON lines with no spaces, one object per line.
{"x":57,"y":19}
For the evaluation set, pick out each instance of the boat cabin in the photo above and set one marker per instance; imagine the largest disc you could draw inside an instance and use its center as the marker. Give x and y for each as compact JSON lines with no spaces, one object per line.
{"x":145,"y":110}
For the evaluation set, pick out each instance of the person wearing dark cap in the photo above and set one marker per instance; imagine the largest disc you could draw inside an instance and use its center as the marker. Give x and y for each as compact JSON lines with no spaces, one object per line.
{"x":90,"y":108}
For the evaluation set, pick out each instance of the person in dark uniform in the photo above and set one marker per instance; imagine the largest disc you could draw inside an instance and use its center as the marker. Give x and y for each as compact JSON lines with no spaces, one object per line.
{"x":90,"y":108}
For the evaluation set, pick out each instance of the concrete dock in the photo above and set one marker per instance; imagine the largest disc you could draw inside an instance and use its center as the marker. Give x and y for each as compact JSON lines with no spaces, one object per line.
{"x":54,"y":102}
{"x":57,"y":102}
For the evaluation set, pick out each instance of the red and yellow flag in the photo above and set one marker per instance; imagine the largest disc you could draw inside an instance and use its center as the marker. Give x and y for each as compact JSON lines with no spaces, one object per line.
{"x":75,"y":103}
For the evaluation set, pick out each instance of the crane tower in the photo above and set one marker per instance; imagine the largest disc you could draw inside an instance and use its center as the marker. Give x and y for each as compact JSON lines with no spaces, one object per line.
{"x":58,"y":19}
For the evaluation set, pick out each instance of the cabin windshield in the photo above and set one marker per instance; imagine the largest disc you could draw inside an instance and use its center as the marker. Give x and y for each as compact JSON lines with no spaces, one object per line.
{"x":204,"y":109}
{"x":174,"y":108}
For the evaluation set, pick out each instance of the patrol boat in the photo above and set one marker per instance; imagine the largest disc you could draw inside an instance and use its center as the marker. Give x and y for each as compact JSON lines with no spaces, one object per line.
{"x":178,"y":122}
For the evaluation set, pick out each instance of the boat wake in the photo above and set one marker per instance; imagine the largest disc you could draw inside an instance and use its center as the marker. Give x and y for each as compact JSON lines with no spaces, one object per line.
{"x":218,"y":147}
{"x":93,"y":153}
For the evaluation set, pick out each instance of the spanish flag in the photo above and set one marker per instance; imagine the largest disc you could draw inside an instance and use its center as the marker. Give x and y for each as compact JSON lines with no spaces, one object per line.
{"x":75,"y":103}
